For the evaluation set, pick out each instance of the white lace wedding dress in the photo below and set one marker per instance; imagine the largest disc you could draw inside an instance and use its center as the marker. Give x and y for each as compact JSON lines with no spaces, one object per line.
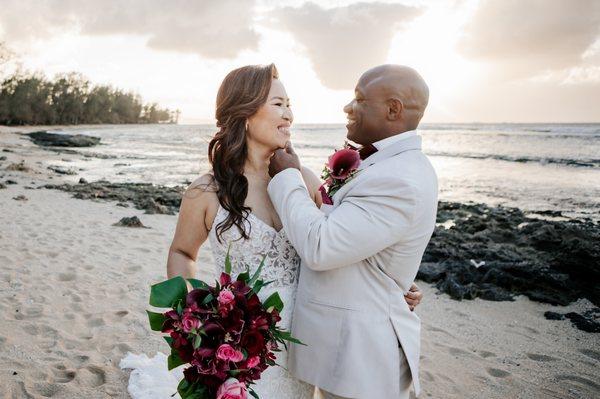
{"x":150,"y":378}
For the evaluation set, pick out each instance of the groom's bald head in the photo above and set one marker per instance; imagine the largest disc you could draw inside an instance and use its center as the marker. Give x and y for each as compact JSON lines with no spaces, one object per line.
{"x":389,"y":99}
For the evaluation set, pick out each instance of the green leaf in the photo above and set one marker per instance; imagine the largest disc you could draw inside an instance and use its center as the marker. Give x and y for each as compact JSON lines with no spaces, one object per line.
{"x":197,"y":283}
{"x":274,"y":301}
{"x":174,"y":360}
{"x":258,"y":271}
{"x":228,"y":261}
{"x":156,"y":320}
{"x":207,"y":299}
{"x":197,"y":341}
{"x":169,"y":340}
{"x":287,"y":336}
{"x":251,"y":391}
{"x":191,"y":391}
{"x":259,"y":285}
{"x":244,"y":277}
{"x":165,"y":294}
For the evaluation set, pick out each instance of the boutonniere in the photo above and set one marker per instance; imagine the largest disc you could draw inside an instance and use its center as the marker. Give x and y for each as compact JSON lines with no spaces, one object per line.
{"x":341,"y":167}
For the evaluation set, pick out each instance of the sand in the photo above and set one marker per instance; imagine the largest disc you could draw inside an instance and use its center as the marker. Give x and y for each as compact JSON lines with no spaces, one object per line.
{"x":73,"y":290}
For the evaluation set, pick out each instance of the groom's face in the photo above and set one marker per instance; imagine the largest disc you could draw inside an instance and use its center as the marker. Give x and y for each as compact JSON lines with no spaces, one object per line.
{"x":365,"y":113}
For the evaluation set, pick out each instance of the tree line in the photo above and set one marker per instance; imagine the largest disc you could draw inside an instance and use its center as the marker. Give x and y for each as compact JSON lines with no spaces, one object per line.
{"x":70,"y":99}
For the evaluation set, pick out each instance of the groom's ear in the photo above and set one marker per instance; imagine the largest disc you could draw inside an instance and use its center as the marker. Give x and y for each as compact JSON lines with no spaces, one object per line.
{"x":394,"y":109}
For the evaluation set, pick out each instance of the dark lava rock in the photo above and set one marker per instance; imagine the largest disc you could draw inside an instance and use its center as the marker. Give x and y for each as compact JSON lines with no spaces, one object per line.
{"x":2,"y":158}
{"x":556,"y":262}
{"x":123,"y":204}
{"x":18,"y":167}
{"x":146,"y":196}
{"x":2,"y":186}
{"x":6,"y":150}
{"x":9,"y":181}
{"x":46,"y":139}
{"x":130,"y":222}
{"x":83,"y":181}
{"x":554,"y":316}
{"x":62,"y":171}
{"x":588,"y":321}
{"x":21,"y":198}
{"x":152,"y":207}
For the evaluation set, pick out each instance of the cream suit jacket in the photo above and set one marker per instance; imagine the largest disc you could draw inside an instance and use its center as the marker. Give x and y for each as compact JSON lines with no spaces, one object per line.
{"x":358,"y":259}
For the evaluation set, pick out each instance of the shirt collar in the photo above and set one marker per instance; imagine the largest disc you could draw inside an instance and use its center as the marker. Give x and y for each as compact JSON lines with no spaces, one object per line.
{"x":381,"y":144}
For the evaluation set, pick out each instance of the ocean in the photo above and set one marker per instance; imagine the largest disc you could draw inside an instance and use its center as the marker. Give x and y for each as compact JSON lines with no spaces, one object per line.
{"x":535,"y":167}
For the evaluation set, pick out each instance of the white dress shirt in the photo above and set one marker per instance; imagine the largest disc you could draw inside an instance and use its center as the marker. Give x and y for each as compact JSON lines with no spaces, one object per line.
{"x":394,"y":139}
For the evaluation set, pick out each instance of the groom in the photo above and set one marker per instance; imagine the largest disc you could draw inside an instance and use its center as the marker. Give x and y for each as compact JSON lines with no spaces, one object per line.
{"x":361,"y":256}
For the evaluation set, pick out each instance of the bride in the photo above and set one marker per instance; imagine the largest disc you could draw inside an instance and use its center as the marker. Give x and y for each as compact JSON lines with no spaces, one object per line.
{"x":231,"y":208}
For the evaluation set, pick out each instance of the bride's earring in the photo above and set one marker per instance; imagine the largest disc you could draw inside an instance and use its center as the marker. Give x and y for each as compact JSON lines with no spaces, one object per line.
{"x":247,"y":126}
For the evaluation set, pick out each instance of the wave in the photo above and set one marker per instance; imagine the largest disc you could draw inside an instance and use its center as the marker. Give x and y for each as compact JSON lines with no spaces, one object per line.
{"x":587,"y":163}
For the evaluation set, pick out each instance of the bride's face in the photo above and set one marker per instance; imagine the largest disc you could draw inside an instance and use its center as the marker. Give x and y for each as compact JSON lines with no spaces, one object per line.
{"x":270,"y":125}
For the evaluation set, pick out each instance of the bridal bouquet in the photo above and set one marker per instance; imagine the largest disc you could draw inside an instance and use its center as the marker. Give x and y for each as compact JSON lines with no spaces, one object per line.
{"x":225,"y":333}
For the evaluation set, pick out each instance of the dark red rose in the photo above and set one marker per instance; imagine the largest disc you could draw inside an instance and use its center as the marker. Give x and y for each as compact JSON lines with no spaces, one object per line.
{"x":343,"y":162}
{"x":253,"y":342}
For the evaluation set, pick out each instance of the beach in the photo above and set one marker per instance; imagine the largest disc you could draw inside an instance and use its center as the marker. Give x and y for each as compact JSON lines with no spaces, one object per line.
{"x":74,"y":289}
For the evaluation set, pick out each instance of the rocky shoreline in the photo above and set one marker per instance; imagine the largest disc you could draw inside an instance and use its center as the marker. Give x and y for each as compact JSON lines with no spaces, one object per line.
{"x":476,"y":251}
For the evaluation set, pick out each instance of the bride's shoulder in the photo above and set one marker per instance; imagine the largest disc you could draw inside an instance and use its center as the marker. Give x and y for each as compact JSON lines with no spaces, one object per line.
{"x":206,"y":182}
{"x":204,"y":187}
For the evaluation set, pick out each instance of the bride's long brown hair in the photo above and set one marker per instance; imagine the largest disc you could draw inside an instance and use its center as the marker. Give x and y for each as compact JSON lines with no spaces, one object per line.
{"x":242,"y":93}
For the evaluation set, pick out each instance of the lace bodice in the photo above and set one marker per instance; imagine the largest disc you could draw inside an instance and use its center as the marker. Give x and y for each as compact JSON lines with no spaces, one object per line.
{"x":282,"y":263}
{"x":282,"y":266}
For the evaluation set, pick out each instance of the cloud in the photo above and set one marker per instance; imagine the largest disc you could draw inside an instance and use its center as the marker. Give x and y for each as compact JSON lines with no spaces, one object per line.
{"x":343,"y":42}
{"x":523,"y":37}
{"x":214,"y":29}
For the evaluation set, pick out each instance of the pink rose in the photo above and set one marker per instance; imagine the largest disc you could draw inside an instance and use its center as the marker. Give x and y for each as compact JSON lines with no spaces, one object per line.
{"x":252,"y":362}
{"x":189,"y":322}
{"x":228,"y":353}
{"x":343,"y":162}
{"x":226,"y":297}
{"x":232,"y":389}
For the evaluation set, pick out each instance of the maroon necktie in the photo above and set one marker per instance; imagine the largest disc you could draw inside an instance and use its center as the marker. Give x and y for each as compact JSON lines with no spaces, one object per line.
{"x":366,"y":151}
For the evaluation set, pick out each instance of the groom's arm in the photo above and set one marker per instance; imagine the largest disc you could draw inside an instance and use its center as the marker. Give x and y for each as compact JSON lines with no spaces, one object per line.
{"x":369,"y":219}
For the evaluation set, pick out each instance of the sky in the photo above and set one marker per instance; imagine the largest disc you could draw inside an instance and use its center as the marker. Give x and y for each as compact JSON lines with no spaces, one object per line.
{"x":484,"y":60}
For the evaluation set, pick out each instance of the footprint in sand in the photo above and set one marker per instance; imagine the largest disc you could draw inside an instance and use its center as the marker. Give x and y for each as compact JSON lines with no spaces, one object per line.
{"x":486,"y":354}
{"x":498,"y":373}
{"x":91,"y":376}
{"x":46,"y":389}
{"x":541,"y":358}
{"x":66,"y":276}
{"x":579,"y":381}
{"x":588,"y":352}
{"x":62,"y":375}
{"x":96,"y":322}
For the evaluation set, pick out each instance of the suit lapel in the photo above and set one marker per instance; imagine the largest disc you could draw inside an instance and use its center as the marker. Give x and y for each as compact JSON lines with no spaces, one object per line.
{"x":411,"y":143}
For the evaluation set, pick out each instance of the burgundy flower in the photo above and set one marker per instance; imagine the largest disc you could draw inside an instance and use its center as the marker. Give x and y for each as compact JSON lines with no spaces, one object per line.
{"x":324,"y":196}
{"x":343,"y":162}
{"x":253,"y":342}
{"x":225,"y":279}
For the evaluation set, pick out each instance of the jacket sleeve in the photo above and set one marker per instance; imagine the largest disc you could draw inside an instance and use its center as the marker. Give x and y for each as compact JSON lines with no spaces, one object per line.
{"x":372,"y":216}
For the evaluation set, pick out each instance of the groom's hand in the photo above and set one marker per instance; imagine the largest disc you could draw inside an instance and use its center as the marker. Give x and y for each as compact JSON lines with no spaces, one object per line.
{"x":283,"y":159}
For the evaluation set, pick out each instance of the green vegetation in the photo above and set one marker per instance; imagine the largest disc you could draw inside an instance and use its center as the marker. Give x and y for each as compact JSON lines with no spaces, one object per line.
{"x":70,"y":99}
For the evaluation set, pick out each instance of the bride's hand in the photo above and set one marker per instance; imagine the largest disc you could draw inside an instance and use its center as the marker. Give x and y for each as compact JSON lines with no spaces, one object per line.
{"x":413,"y":297}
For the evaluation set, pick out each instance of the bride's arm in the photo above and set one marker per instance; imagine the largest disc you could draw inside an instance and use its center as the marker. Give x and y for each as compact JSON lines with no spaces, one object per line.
{"x":197,"y":212}
{"x":312,"y":184}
